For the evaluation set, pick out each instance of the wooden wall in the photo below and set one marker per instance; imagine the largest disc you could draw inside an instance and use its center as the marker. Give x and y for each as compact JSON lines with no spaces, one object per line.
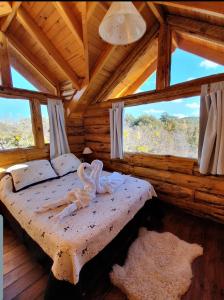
{"x":176,"y":180}
{"x":75,"y":133}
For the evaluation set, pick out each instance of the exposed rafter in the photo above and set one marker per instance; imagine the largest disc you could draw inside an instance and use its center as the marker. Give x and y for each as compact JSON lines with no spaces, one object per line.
{"x":85,"y":39}
{"x":4,"y":62}
{"x":212,"y":8}
{"x":70,"y":20}
{"x":157,"y":11}
{"x":201,"y":29}
{"x":31,"y":59}
{"x":127,"y":63}
{"x":8,"y":20}
{"x":5,"y":8}
{"x":37,"y":34}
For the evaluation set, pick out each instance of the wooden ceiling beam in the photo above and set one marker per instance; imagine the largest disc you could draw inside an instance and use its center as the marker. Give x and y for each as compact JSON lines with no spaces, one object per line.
{"x":8,"y":20}
{"x":4,"y":62}
{"x":37,"y":34}
{"x":201,"y":29}
{"x":32,"y":59}
{"x":164,"y":57}
{"x":85,"y":40}
{"x":127,"y":63}
{"x":70,"y":20}
{"x":212,"y":8}
{"x":158,"y":12}
{"x":5,"y":8}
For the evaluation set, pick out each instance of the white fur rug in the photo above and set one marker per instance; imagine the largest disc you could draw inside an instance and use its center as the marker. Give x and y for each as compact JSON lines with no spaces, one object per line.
{"x":158,"y":267}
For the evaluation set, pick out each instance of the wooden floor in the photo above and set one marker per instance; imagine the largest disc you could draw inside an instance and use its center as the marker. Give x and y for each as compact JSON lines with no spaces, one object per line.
{"x":25,"y":279}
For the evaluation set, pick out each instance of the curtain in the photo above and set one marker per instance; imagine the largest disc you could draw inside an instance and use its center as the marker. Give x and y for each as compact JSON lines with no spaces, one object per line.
{"x":116,"y":130}
{"x":58,"y":138}
{"x":211,"y":135}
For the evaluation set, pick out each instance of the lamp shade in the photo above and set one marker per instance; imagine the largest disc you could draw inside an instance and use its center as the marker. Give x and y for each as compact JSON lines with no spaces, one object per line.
{"x":87,"y":150}
{"x":122,"y":24}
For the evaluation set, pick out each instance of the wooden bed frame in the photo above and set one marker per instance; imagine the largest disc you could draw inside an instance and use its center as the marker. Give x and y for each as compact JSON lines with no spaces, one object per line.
{"x":150,"y":216}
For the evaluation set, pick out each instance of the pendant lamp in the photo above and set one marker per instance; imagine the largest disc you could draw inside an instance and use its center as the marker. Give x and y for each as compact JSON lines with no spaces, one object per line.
{"x":122,"y":24}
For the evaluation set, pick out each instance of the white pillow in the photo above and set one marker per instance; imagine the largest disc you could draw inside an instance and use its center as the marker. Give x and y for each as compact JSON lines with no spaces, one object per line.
{"x":31,"y":172}
{"x":65,"y":164}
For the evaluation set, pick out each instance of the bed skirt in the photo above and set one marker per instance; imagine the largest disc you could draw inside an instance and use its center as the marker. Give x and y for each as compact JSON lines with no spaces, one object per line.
{"x":96,"y":269}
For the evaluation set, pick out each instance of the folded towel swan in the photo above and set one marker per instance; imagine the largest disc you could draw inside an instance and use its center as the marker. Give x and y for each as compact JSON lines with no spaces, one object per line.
{"x":94,"y":183}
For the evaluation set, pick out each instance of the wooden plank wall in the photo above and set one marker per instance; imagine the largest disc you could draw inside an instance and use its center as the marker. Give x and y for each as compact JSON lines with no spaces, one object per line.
{"x":176,"y":180}
{"x":75,"y":133}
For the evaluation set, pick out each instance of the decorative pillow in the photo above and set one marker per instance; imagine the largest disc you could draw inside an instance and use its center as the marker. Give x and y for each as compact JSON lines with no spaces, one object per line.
{"x":65,"y":164}
{"x":31,"y":172}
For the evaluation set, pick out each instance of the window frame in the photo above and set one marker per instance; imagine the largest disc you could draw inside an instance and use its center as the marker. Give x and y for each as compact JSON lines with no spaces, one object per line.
{"x":36,"y":122}
{"x":43,"y":103}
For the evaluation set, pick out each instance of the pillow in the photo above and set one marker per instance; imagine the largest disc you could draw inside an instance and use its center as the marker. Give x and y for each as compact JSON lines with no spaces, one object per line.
{"x":31,"y":172}
{"x":6,"y":186}
{"x":65,"y":164}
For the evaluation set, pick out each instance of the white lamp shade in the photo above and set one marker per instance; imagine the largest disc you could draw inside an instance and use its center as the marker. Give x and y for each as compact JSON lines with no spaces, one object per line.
{"x":87,"y":150}
{"x":122,"y":24}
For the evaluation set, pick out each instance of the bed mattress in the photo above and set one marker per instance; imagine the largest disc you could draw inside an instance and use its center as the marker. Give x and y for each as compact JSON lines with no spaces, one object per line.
{"x":81,"y":236}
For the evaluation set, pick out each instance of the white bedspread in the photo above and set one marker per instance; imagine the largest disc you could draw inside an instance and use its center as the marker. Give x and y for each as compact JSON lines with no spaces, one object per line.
{"x":81,"y":236}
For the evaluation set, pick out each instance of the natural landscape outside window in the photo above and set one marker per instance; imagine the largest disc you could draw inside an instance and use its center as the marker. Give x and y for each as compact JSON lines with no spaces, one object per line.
{"x":15,"y":124}
{"x":164,"y":128}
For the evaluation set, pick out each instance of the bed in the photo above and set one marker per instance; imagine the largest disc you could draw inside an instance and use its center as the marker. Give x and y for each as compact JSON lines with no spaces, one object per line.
{"x":81,"y":236}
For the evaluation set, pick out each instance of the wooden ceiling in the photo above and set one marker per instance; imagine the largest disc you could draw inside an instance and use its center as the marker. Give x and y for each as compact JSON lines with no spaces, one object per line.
{"x":57,"y":47}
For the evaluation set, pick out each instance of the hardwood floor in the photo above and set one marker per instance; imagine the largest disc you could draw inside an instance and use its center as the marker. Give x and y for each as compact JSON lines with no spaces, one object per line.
{"x":25,"y":279}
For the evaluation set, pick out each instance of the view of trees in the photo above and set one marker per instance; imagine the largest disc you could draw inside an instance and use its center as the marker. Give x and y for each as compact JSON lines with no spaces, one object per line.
{"x":19,"y":134}
{"x":165,"y":135}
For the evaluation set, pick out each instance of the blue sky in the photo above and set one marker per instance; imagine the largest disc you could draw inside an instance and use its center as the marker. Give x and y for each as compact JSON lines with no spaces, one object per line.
{"x":185,"y":66}
{"x":12,"y":109}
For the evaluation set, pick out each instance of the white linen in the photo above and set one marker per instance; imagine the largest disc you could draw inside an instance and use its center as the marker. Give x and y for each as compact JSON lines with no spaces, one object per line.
{"x":31,"y":172}
{"x":211,"y":136}
{"x":78,"y":238}
{"x":116,"y":130}
{"x":65,"y":164}
{"x":58,"y":138}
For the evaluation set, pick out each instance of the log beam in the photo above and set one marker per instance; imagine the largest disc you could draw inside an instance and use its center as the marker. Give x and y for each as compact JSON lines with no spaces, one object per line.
{"x":212,"y":8}
{"x":6,"y":76}
{"x":157,"y":11}
{"x":164,"y":57}
{"x":199,"y":29}
{"x":8,"y":20}
{"x":85,"y":39}
{"x":34,"y":30}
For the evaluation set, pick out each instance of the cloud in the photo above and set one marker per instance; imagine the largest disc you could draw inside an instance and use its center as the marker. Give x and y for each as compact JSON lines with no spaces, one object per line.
{"x":154,"y":111}
{"x":208,"y":64}
{"x":177,"y":101}
{"x":195,"y":113}
{"x":193,"y":105}
{"x":179,"y":116}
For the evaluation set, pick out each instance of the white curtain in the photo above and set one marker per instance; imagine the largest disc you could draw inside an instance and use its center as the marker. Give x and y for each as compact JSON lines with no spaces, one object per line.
{"x":116,"y":130}
{"x":58,"y":138}
{"x":211,"y":137}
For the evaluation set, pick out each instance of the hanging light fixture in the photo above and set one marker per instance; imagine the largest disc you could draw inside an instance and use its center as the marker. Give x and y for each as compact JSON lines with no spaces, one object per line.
{"x":122,"y":24}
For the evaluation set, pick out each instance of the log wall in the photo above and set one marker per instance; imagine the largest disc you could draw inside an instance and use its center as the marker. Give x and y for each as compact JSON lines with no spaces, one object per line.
{"x":75,"y":133}
{"x":176,"y":180}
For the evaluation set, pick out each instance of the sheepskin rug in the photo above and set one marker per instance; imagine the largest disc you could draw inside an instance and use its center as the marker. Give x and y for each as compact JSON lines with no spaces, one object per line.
{"x":158,"y":267}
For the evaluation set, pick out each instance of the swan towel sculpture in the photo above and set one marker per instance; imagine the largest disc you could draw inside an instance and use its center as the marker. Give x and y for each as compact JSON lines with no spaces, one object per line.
{"x":95,"y":183}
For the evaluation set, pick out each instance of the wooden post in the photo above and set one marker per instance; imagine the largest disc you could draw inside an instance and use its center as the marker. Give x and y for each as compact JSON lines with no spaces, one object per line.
{"x":164,"y":57}
{"x":4,"y":62}
{"x":37,"y":123}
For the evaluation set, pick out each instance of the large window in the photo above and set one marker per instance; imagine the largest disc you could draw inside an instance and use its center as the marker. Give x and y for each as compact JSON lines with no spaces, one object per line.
{"x":21,"y":82}
{"x":45,"y":121}
{"x":165,"y":128}
{"x":15,"y":124}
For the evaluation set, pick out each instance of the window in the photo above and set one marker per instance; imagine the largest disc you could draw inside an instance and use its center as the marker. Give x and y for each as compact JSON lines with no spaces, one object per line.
{"x":15,"y":124}
{"x":45,"y":121}
{"x":20,"y":82}
{"x":148,"y":85}
{"x":187,"y":66}
{"x":165,"y":128}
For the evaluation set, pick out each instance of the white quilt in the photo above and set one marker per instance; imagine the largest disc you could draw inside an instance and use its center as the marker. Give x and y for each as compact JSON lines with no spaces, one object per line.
{"x":81,"y":236}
